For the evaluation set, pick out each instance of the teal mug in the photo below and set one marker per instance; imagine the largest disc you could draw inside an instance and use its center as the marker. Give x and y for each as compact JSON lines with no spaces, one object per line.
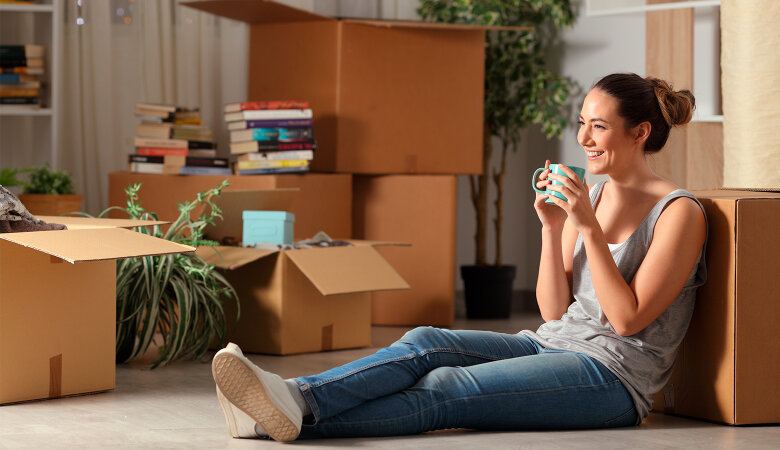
{"x":556,"y":169}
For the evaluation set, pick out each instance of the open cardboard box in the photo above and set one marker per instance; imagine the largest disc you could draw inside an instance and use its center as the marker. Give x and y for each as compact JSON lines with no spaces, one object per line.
{"x":58,"y":305}
{"x":303,"y":300}
{"x":387,"y":96}
{"x":728,"y":367}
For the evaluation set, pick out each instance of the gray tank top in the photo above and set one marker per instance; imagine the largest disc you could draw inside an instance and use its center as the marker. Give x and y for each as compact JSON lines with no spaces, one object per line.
{"x":643,"y":361}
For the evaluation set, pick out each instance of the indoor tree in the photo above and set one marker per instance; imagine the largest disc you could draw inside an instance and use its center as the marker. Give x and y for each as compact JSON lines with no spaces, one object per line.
{"x":520,"y":90}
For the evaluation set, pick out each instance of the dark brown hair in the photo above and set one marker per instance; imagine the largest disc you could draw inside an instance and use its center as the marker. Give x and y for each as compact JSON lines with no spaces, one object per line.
{"x":649,"y":100}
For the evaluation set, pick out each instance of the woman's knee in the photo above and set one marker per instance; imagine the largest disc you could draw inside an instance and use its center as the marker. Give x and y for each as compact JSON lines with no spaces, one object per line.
{"x":422,"y":337}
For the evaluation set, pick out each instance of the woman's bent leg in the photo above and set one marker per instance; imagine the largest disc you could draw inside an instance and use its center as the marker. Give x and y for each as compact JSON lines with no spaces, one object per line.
{"x":401,"y":365}
{"x":552,"y":390}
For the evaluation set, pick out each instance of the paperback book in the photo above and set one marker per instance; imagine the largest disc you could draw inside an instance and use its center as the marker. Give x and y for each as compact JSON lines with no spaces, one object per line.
{"x":266,"y":114}
{"x":286,"y":123}
{"x":274,"y":104}
{"x":259,"y":146}
{"x":272,"y":134}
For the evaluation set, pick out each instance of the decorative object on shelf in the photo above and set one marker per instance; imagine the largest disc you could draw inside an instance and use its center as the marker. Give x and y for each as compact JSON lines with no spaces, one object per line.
{"x":48,"y":192}
{"x":178,"y":296}
{"x":519,"y":91}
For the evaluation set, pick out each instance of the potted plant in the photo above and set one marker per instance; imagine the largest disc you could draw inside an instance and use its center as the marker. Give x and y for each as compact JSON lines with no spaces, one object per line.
{"x":177,"y":298}
{"x":519,"y":91}
{"x":49,"y":192}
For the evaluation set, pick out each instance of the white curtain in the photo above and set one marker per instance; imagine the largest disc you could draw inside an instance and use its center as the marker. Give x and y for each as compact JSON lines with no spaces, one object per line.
{"x":159,"y":52}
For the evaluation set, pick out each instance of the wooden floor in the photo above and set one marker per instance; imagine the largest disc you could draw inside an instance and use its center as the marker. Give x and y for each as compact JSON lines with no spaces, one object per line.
{"x":175,"y":407}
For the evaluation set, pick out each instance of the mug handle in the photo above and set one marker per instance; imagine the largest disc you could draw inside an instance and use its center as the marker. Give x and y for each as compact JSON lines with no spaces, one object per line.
{"x":534,"y":179}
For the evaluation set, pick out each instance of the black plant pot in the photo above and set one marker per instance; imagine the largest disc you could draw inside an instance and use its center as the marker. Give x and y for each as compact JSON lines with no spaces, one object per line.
{"x":488,"y":291}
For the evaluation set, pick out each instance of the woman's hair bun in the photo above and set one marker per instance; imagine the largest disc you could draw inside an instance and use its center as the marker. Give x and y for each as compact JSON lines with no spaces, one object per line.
{"x":676,"y":106}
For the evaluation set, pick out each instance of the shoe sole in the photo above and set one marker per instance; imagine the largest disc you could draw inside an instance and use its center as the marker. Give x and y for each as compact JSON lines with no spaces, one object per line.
{"x":242,"y":388}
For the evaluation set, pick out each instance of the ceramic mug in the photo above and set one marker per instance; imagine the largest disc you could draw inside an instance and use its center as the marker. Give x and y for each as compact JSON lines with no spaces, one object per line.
{"x":556,"y":169}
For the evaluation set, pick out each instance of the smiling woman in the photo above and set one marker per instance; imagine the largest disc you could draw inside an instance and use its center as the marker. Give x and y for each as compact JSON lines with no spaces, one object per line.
{"x":615,"y":314}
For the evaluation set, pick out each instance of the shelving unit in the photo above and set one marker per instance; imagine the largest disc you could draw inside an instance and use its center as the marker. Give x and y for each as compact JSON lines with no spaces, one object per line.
{"x":30,"y":137}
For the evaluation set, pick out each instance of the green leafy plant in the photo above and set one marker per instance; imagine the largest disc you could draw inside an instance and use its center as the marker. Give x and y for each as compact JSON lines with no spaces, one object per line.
{"x":8,"y":177}
{"x":519,"y":89}
{"x":45,"y":180}
{"x":178,"y":296}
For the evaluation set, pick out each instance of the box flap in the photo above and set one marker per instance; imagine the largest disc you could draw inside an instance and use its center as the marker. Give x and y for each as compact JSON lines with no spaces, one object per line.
{"x":360,"y":242}
{"x":227,"y":257}
{"x":418,"y":24}
{"x":234,"y":202}
{"x":343,"y":270}
{"x":256,"y":11}
{"x":80,"y":223}
{"x":269,"y":11}
{"x":95,"y":244}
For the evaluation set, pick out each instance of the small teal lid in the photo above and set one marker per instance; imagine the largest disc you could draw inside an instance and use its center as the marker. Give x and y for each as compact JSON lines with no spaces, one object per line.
{"x":268,"y":215}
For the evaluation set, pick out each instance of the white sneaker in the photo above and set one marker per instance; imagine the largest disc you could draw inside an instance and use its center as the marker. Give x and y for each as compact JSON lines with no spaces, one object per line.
{"x":250,"y":393}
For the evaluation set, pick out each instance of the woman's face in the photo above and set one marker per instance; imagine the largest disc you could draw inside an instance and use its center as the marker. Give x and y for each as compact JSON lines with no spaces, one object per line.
{"x":603,"y":135}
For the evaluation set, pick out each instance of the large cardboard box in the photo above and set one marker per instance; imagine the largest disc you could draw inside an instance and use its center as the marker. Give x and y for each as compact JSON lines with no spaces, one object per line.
{"x":323,"y":202}
{"x":58,"y":305}
{"x":387,"y":96}
{"x":307,"y":300}
{"x":728,"y":368}
{"x":418,"y":209}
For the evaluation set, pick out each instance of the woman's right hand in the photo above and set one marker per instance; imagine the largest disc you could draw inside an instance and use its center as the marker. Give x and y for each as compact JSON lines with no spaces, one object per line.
{"x":552,"y":216}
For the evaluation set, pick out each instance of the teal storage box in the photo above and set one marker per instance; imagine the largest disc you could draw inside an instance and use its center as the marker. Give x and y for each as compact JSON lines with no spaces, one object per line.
{"x":274,"y":227}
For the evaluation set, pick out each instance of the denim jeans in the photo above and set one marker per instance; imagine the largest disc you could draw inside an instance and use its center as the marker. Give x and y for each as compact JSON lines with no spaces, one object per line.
{"x":434,"y":379}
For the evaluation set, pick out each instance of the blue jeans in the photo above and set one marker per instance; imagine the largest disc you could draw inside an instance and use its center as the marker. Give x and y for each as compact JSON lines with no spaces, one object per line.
{"x":434,"y":379}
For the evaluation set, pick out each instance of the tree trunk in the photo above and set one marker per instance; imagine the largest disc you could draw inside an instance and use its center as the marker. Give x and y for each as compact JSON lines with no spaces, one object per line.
{"x":479,"y":198}
{"x":498,"y":179}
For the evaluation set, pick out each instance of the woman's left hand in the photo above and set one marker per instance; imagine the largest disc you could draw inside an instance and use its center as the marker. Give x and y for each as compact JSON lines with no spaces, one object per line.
{"x":578,"y":206}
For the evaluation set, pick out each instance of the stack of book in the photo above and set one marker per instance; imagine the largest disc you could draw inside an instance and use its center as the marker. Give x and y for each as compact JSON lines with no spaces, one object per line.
{"x":20,"y":69}
{"x":172,"y":140}
{"x":271,"y":136}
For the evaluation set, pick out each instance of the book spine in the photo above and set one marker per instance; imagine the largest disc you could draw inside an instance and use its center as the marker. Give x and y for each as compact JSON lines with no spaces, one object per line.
{"x":141,"y":167}
{"x":197,"y":170}
{"x":281,"y":104}
{"x":286,"y":123}
{"x":153,"y":151}
{"x":153,"y":159}
{"x":272,"y":156}
{"x":19,"y":100}
{"x":203,"y":145}
{"x":160,"y":143}
{"x":281,"y":134}
{"x":12,"y":51}
{"x":244,"y":165}
{"x":207,"y":162}
{"x":10,"y":78}
{"x":13,"y":62}
{"x":274,"y":170}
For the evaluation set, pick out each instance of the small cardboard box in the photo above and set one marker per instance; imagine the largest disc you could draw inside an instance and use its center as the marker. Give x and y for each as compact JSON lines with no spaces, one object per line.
{"x":419,"y":209}
{"x":387,"y":96}
{"x":298,"y":301}
{"x":728,"y":368}
{"x":275,"y":227}
{"x":323,"y":203}
{"x":58,"y":305}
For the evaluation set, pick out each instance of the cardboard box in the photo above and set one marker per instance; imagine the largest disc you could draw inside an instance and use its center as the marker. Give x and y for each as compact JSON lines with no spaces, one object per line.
{"x":728,"y":368}
{"x":387,"y":96}
{"x":298,"y":301}
{"x":323,"y":203}
{"x":420,"y":210}
{"x":58,"y":305}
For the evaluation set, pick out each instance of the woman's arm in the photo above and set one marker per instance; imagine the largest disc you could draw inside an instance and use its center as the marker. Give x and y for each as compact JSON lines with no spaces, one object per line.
{"x":553,"y":285}
{"x":677,"y":241}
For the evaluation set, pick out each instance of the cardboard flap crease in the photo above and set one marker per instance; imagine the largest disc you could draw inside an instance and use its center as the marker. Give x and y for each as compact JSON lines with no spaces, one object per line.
{"x":230,"y":258}
{"x":95,"y":244}
{"x":79,"y":223}
{"x":342,"y":270}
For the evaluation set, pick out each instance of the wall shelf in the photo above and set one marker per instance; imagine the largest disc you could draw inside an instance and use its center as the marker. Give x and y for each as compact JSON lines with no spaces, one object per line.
{"x":607,"y":11}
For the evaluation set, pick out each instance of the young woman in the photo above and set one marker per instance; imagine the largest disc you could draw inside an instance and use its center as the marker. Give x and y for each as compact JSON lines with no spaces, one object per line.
{"x":619,"y":269}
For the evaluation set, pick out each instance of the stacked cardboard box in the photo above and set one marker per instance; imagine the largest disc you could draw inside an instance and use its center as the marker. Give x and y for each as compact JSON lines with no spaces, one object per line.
{"x":396,"y":98}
